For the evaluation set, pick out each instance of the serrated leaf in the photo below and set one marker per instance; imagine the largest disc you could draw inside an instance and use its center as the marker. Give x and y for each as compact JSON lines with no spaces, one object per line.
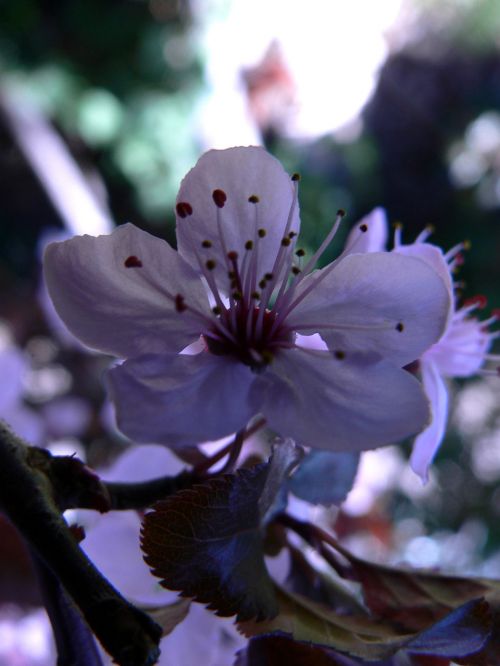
{"x":324,"y":477}
{"x":206,"y":542}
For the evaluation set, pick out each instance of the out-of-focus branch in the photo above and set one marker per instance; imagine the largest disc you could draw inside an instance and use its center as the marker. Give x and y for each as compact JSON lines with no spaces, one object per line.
{"x":129,"y":635}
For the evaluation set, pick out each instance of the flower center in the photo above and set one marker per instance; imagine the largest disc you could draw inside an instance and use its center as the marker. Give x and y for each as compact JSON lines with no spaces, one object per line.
{"x":252,"y":344}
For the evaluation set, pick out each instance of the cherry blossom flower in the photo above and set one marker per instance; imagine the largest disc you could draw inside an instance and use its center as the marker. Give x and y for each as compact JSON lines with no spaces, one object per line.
{"x":241,"y":290}
{"x":463,"y":347}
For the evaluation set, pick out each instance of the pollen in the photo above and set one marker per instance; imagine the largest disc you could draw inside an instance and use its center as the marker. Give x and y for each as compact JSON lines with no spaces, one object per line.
{"x":184,"y":209}
{"x":219,"y":197}
{"x":132,"y":262}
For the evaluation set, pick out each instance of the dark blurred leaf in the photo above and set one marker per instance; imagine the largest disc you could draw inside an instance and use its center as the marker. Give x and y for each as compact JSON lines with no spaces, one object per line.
{"x":413,"y":598}
{"x":324,"y":477}
{"x":462,"y":632}
{"x":280,"y":649}
{"x":169,"y":615}
{"x":206,"y":542}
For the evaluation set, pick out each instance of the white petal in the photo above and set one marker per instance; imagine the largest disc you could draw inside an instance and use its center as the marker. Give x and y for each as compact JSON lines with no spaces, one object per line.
{"x":340,"y":405}
{"x":427,"y":443}
{"x":433,"y":256}
{"x":462,"y":349}
{"x":181,"y":400}
{"x":118,"y":309}
{"x":239,"y":173}
{"x":374,"y":239}
{"x":364,"y":299}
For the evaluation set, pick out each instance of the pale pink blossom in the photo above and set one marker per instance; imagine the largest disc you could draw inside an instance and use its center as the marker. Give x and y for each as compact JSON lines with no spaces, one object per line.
{"x":461,"y":350}
{"x":239,"y":285}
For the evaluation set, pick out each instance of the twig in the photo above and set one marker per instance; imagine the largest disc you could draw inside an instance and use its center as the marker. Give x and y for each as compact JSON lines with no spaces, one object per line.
{"x":129,"y":635}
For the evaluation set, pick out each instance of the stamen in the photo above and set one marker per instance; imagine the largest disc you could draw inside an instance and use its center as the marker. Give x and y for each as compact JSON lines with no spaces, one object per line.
{"x":398,"y":231}
{"x":183,"y":209}
{"x":424,"y":234}
{"x":219,"y":197}
{"x":132,"y":262}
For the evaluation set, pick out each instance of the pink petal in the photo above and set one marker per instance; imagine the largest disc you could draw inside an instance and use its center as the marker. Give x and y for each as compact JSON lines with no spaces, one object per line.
{"x":239,"y":173}
{"x":374,"y":238}
{"x":427,"y":443}
{"x":112,"y":292}
{"x":351,"y":404}
{"x":181,"y":400}
{"x":363,"y":301}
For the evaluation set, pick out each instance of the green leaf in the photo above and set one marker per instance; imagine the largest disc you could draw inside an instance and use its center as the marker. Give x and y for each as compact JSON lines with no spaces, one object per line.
{"x":206,"y":542}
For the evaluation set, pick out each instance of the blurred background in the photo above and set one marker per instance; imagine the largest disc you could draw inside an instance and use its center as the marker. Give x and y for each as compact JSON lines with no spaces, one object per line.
{"x":103,"y":109}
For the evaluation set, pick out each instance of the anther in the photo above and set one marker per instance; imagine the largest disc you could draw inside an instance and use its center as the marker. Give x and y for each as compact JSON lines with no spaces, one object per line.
{"x":341,"y":212}
{"x":184,"y":209}
{"x":295,"y":270}
{"x":285,"y":241}
{"x":180,"y":306}
{"x":216,"y":310}
{"x":237,"y":295}
{"x":261,"y":233}
{"x":210,"y":264}
{"x":296,"y":177}
{"x":363,"y":228}
{"x":466,"y":244}
{"x":253,"y":198}
{"x":300,"y":252}
{"x":219,"y":197}
{"x":231,"y":275}
{"x":232,"y":256}
{"x":206,"y":243}
{"x":400,"y":327}
{"x":248,"y":245}
{"x":268,"y":276}
{"x":480,"y":301}
{"x":339,"y":355}
{"x":292,"y":234}
{"x":262,"y":284}
{"x":255,"y":295}
{"x":132,"y":262}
